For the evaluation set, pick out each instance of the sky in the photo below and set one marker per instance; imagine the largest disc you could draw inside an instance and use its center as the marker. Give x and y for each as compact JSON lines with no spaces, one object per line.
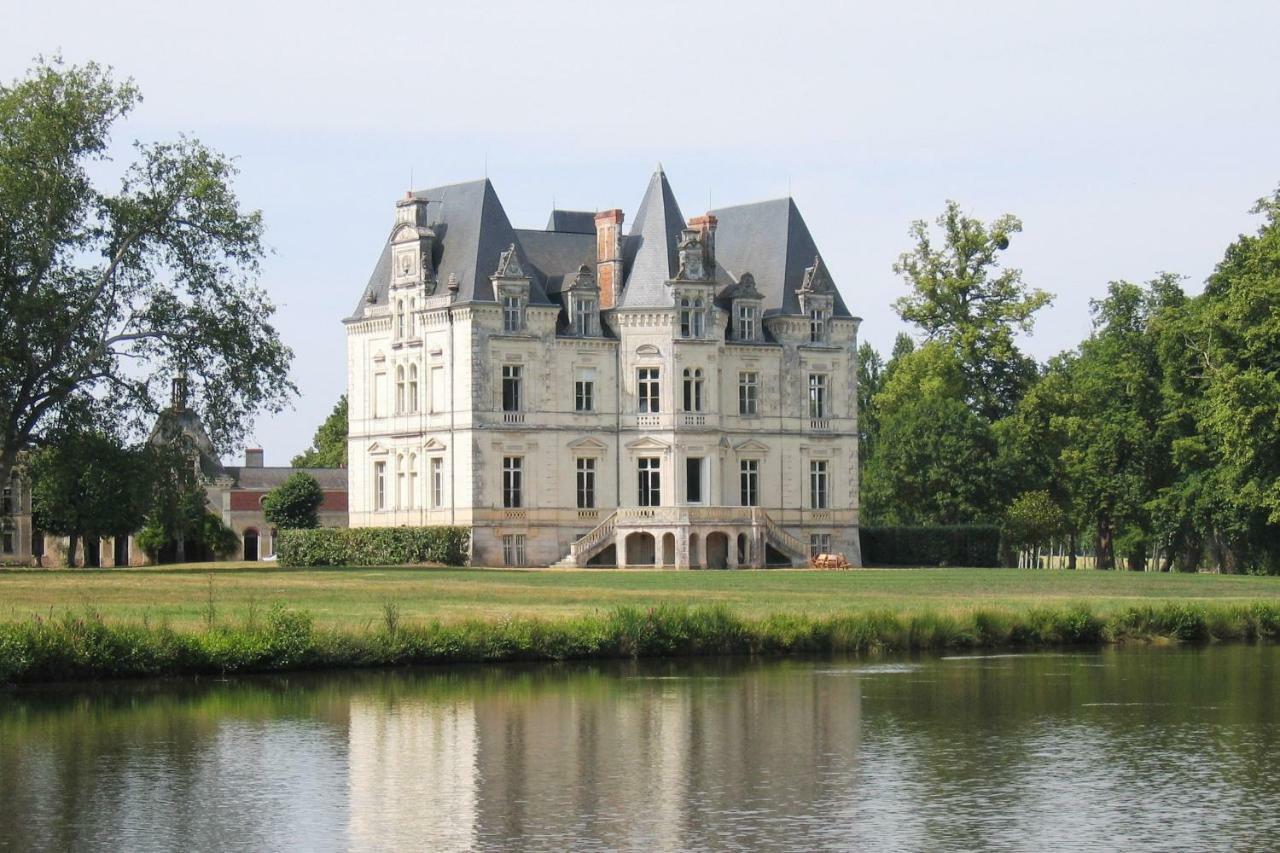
{"x":1130,"y":137}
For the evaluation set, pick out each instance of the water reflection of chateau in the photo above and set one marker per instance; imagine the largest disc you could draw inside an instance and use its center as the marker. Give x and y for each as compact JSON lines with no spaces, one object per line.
{"x":631,"y":762}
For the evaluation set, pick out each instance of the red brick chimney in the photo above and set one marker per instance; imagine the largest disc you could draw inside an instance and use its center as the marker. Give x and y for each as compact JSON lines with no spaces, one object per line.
{"x":706,"y":226}
{"x":609,"y":256}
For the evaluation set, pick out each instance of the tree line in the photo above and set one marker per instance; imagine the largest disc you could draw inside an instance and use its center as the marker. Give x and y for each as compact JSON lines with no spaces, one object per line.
{"x":1155,"y":443}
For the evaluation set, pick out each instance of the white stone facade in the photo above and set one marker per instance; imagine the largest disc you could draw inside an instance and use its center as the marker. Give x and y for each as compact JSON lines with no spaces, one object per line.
{"x":711,"y":429}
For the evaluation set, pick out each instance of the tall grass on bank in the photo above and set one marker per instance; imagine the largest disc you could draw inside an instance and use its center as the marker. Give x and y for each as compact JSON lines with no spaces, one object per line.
{"x":84,"y":646}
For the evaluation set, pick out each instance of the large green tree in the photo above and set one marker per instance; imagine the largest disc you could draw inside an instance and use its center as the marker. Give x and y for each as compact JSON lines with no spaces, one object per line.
{"x":87,"y":485}
{"x":106,"y":293}
{"x":961,"y":295}
{"x":329,"y":445}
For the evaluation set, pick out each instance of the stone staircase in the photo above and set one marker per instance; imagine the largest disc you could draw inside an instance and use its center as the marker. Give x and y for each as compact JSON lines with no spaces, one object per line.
{"x":590,"y":544}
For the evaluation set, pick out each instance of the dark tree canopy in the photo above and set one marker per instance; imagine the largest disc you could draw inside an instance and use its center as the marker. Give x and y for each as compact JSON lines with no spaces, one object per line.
{"x":329,"y":445}
{"x":106,"y":294}
{"x":294,"y":503}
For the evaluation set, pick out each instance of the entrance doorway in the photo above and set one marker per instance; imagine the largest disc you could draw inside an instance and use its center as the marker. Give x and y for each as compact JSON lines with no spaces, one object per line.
{"x":640,"y":548}
{"x":120,"y":551}
{"x":717,"y":551}
{"x":251,"y":545}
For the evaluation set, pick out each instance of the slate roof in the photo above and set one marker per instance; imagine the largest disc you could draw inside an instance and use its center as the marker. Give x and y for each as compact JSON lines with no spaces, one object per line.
{"x":769,"y":239}
{"x":572,"y":221}
{"x":263,"y":478}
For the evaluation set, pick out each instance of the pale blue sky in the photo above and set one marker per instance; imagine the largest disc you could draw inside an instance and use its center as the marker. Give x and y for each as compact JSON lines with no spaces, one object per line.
{"x":1130,"y":137}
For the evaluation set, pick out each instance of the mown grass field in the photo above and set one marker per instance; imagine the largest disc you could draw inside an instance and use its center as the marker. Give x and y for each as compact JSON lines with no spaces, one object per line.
{"x":353,"y":598}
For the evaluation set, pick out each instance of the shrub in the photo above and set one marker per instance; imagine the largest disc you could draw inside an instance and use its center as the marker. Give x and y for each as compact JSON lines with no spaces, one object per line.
{"x":974,"y":545}
{"x":374,"y":546}
{"x":294,"y":504}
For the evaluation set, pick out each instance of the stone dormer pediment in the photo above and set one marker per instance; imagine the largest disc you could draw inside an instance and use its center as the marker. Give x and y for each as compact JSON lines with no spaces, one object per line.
{"x":433,"y":445}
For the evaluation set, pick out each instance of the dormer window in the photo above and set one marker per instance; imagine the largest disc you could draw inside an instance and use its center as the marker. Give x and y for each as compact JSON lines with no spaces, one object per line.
{"x":818,"y":326}
{"x":747,"y":321}
{"x":585,"y":316}
{"x":512,"y":312}
{"x":692,"y":317}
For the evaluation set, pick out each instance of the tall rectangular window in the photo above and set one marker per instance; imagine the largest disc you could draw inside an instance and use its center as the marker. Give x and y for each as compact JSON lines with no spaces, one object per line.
{"x":650,"y":481}
{"x":437,"y":482}
{"x":647,"y":390}
{"x":748,"y":392}
{"x":819,"y":543}
{"x":749,"y":482}
{"x":513,"y":549}
{"x":512,"y":482}
{"x":584,"y":311}
{"x":511,"y":313}
{"x":818,"y":484}
{"x":586,"y":484}
{"x":7,"y":544}
{"x":817,"y":395}
{"x":584,"y":392}
{"x":6,"y":501}
{"x":511,"y":387}
{"x":746,"y":322}
{"x":693,"y":480}
{"x":817,"y":325}
{"x":379,"y":485}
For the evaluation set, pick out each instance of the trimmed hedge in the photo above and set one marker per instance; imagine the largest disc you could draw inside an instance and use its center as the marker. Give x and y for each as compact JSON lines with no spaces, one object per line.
{"x":970,"y":545}
{"x":374,"y":546}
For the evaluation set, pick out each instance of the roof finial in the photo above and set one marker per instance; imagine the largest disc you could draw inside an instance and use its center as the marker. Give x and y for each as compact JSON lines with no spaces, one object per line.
{"x":660,"y":172}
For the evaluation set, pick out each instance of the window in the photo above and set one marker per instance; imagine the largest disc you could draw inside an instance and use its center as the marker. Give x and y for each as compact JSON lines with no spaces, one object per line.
{"x":513,"y":549}
{"x":413,"y":387}
{"x":817,"y":395}
{"x":512,"y":313}
{"x":412,"y":493}
{"x":586,"y":484}
{"x":7,"y":542}
{"x":818,"y":484}
{"x":749,"y":482}
{"x":584,"y":313}
{"x":510,"y":387}
{"x":413,"y":318}
{"x":437,"y":482}
{"x":819,"y":543}
{"x":818,"y":325}
{"x":692,"y":317}
{"x":693,"y":389}
{"x":400,"y":496}
{"x":693,"y":480}
{"x":746,"y":322}
{"x":6,"y":501}
{"x":512,"y":481}
{"x":400,"y":318}
{"x":748,"y":392}
{"x":650,"y":481}
{"x":379,"y":485}
{"x":584,"y":390}
{"x":647,"y":390}
{"x":400,"y":390}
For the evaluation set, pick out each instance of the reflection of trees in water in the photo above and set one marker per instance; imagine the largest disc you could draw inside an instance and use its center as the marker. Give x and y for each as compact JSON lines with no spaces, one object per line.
{"x":974,"y":752}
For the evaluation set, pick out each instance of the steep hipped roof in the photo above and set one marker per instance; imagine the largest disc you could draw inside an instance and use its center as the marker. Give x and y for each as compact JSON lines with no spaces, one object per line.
{"x":572,"y":221}
{"x":770,"y":240}
{"x":557,"y":255}
{"x":180,"y":425}
{"x":649,"y":254}
{"x":472,"y":231}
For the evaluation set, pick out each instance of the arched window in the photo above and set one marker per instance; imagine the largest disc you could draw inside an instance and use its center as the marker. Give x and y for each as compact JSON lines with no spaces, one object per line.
{"x":413,"y":387}
{"x":413,"y":480}
{"x":400,"y":481}
{"x":399,"y":389}
{"x":400,"y":318}
{"x":686,"y":317}
{"x":693,"y":389}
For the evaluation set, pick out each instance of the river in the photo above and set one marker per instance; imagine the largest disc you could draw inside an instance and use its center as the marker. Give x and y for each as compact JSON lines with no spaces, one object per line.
{"x":1125,"y":748}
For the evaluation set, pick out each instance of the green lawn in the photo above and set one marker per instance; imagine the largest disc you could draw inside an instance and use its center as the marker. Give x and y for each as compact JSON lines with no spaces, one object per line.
{"x":353,"y":597}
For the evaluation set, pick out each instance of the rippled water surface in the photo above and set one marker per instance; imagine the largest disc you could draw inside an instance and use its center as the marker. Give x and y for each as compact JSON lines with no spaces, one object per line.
{"x":1129,"y":749}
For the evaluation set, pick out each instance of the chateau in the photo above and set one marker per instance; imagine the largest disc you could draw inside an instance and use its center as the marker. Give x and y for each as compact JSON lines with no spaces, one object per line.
{"x":680,"y":393}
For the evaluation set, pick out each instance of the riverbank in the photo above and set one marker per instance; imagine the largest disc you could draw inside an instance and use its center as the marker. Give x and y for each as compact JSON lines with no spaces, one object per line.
{"x":350,"y":599}
{"x":83,"y":645}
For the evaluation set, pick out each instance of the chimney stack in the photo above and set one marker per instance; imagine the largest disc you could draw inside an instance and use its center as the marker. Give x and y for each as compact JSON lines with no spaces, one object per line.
{"x":253,"y":457}
{"x":706,"y":227}
{"x":609,"y":257}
